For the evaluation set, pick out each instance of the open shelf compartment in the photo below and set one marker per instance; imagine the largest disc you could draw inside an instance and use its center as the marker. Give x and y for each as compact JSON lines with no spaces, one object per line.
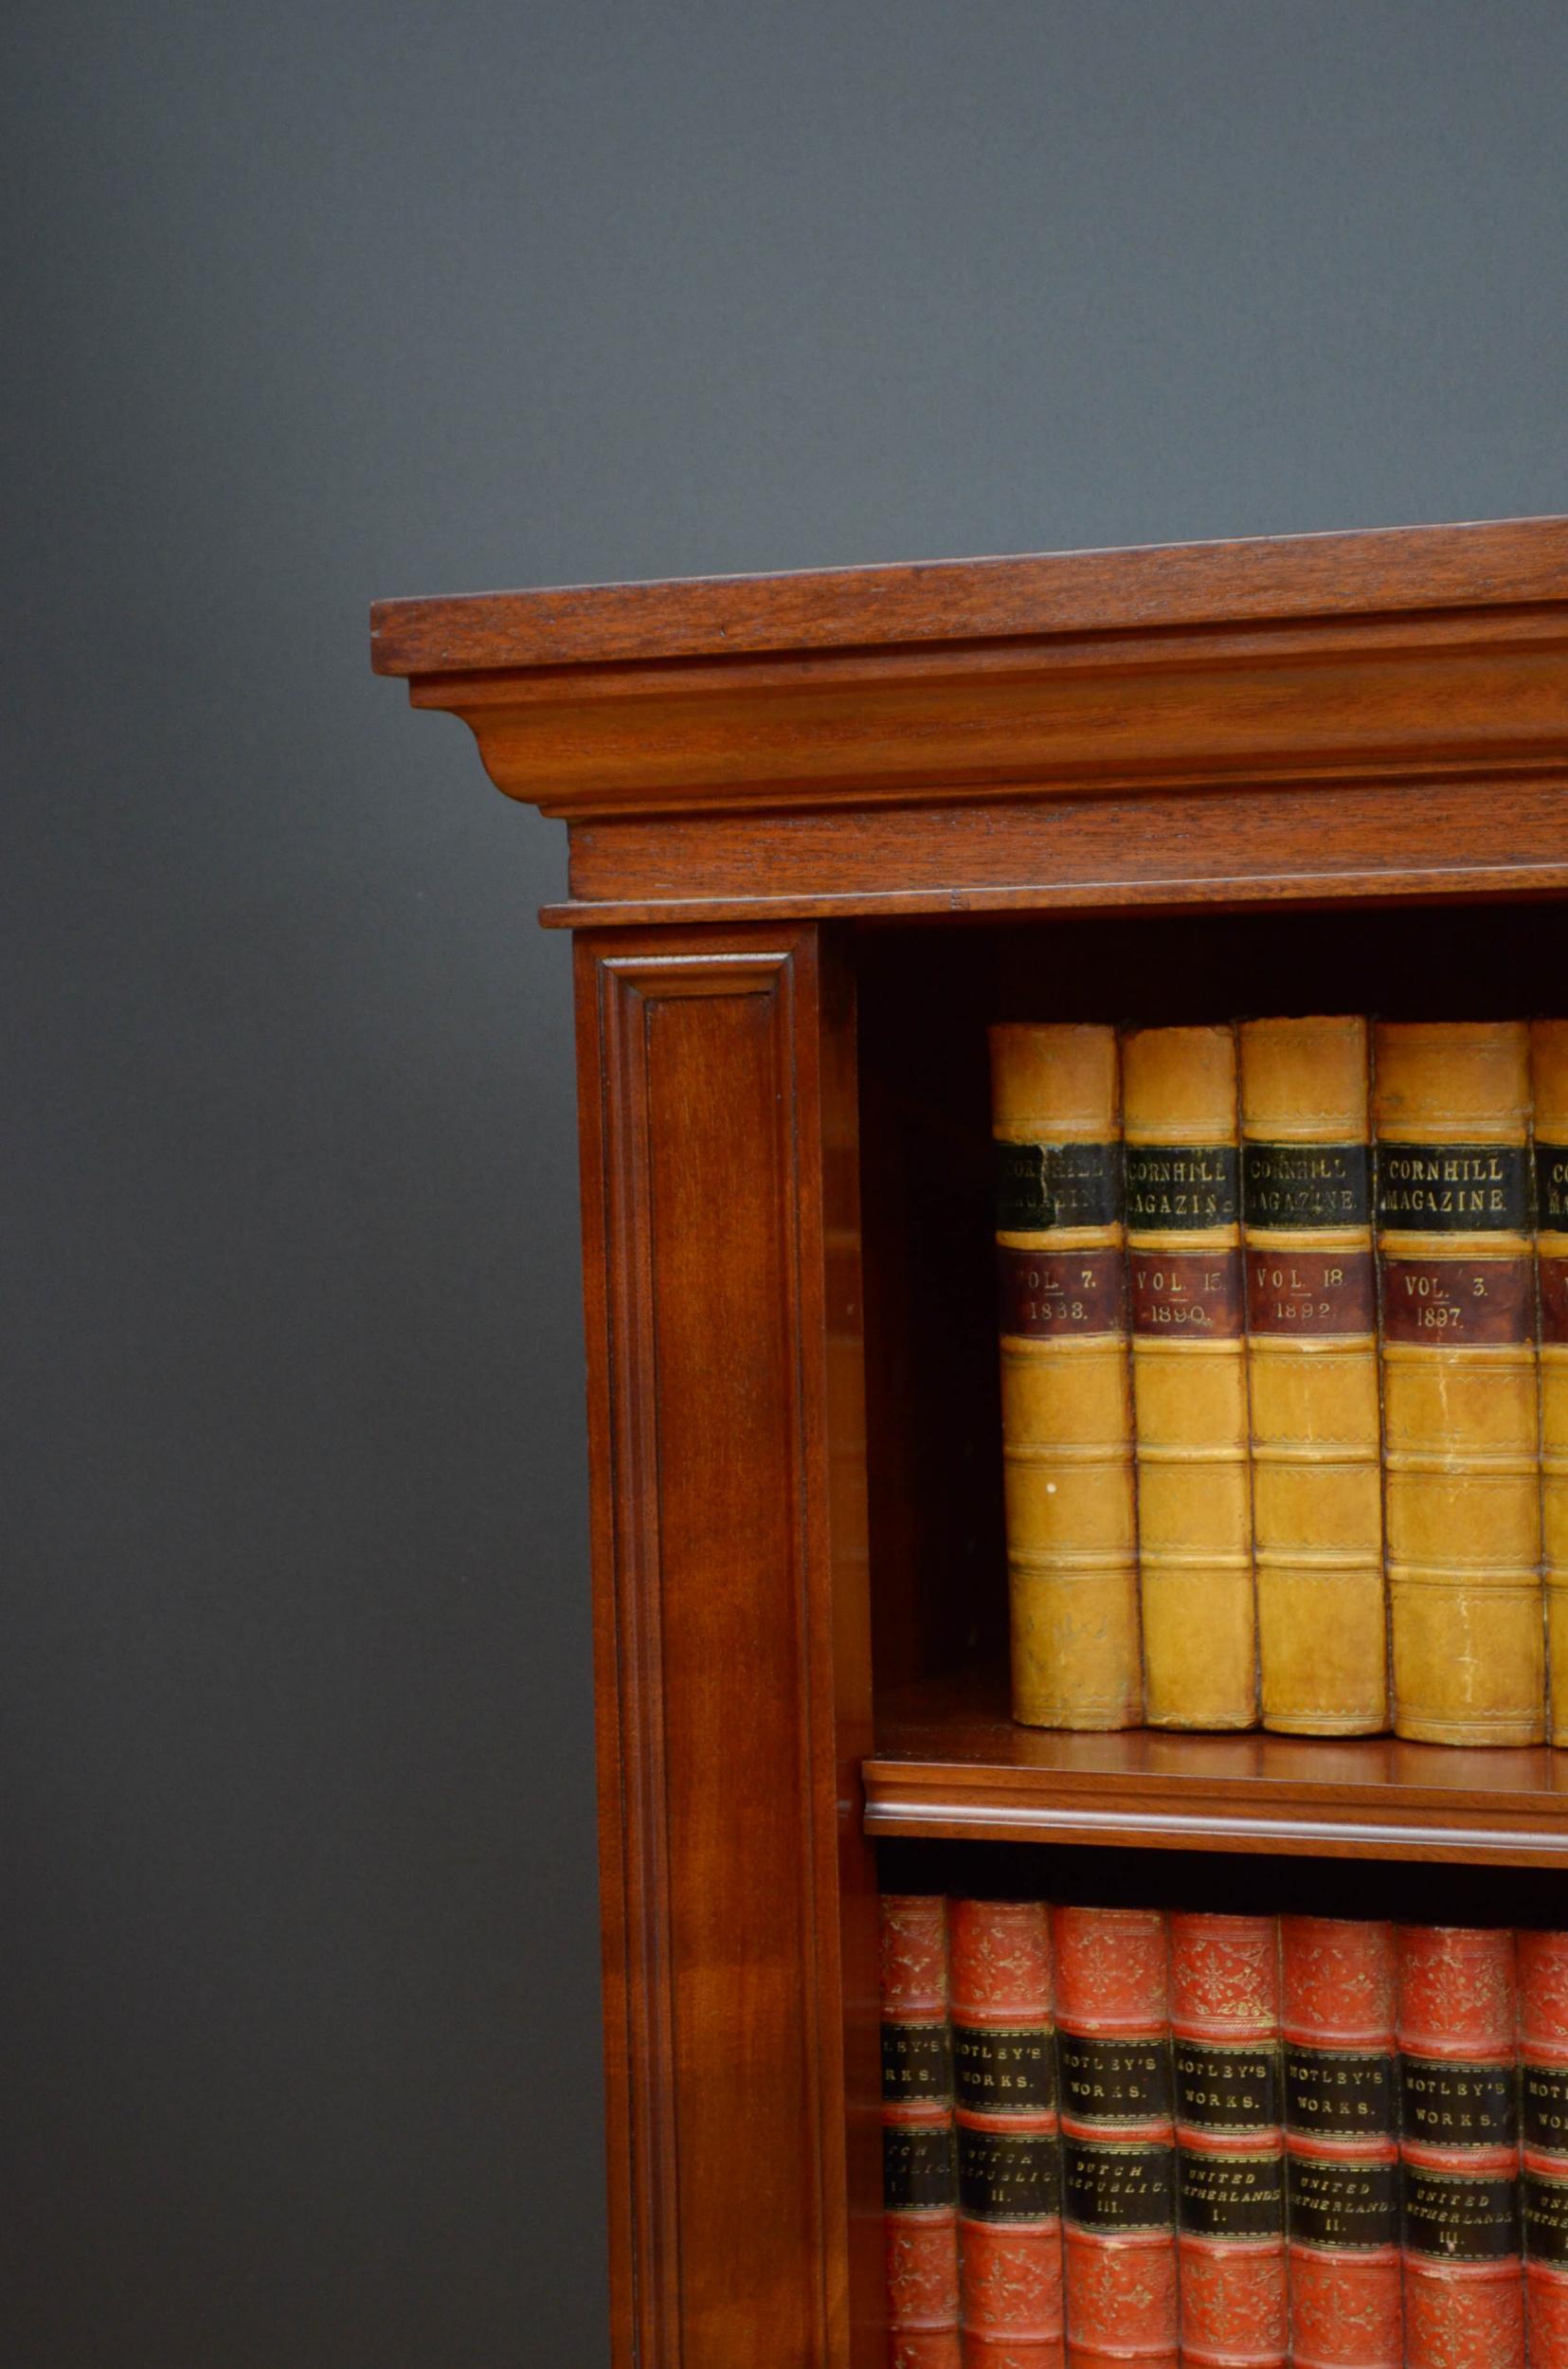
{"x":947,"y":1761}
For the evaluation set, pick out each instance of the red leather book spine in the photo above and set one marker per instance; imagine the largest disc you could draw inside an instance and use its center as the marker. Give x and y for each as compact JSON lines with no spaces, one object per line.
{"x":1009,"y":2147}
{"x":1230,"y":2144}
{"x":1459,"y":2143}
{"x":1544,"y":2130}
{"x":919,"y":2163}
{"x":1342,"y":2143}
{"x":1118,"y":2140}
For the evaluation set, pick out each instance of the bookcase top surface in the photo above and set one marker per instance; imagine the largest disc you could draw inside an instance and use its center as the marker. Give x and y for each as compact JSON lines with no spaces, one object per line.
{"x":1386,"y":570}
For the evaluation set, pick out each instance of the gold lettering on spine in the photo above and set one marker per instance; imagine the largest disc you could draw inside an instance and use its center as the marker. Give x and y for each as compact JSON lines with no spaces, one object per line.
{"x":1190,"y":1392}
{"x":1461,"y":1492}
{"x":1549,"y":1079}
{"x":1312,"y":1385}
{"x":1066,"y":1404}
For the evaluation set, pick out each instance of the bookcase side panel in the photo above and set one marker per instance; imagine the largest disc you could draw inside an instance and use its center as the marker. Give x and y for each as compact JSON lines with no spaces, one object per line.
{"x":733,"y":1673}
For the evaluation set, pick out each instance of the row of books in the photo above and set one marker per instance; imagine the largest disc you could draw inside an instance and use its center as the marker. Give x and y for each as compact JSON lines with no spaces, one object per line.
{"x":1284,"y":1313}
{"x":1136,"y":2136}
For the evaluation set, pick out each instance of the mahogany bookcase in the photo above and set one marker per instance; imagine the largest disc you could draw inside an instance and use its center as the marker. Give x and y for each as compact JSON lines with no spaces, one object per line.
{"x":822,"y":829}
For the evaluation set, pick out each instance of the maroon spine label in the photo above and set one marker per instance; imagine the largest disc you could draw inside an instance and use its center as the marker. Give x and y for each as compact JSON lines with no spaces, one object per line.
{"x":1043,"y":1295}
{"x":1305,"y":1292}
{"x":1554,"y":1299}
{"x":1187,"y":1293}
{"x":1436,"y":1301}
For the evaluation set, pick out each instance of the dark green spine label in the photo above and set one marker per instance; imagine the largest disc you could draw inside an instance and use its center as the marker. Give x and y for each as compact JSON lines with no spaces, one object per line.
{"x":1552,"y":1187}
{"x":1119,"y":2081}
{"x":1226,"y":2088}
{"x":1352,"y":2207}
{"x":1458,"y":2106}
{"x":1544,"y":2106}
{"x":916,"y":2063}
{"x":1455,"y":2217}
{"x":1117,"y":2188}
{"x":1230,"y":2196}
{"x":1297,"y":1187}
{"x":1182,"y":1187}
{"x":1544,"y":2213}
{"x":1344,"y":2093}
{"x":1009,"y":2174}
{"x":1453,"y":1189}
{"x":919,"y":2166}
{"x":1041,"y":1186}
{"x":1005,"y":2071}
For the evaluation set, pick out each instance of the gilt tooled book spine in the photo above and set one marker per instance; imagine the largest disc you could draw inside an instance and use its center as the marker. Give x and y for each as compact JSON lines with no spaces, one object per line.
{"x":1459,"y":2146}
{"x":1066,"y":1398}
{"x":1009,"y":2148}
{"x":1462,"y":1497}
{"x":1544,"y":2135}
{"x":1312,"y":1376}
{"x":1189,"y":1377}
{"x":919,"y":2159}
{"x":1549,"y":1079}
{"x":1341,"y":2107}
{"x":1230,"y":2142}
{"x":1118,"y":2138}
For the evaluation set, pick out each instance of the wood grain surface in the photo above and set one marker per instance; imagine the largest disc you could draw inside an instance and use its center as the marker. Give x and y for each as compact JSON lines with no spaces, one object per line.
{"x":1174,"y":584}
{"x":950,"y":1763}
{"x":732,"y":1651}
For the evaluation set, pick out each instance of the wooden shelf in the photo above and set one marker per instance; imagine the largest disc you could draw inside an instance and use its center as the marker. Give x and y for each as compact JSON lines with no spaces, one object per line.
{"x":823,"y":830}
{"x":950,"y":1763}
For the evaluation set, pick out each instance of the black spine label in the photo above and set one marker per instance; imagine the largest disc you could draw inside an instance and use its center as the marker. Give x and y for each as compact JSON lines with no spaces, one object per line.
{"x":1226,"y":2088}
{"x":1544,"y":2106}
{"x":1181,"y":1188}
{"x":1353,"y":2207}
{"x":916,"y":2063}
{"x":919,"y":2166}
{"x":1458,"y":2106}
{"x":1009,"y":2174}
{"x":1114,"y":2189}
{"x":1230,"y":2196}
{"x":1453,"y":1189}
{"x":1341,"y":2092}
{"x":1297,"y":1187}
{"x":1005,"y":2071}
{"x":1544,"y":2213}
{"x":1455,"y":2217}
{"x":1041,"y":1186}
{"x":1118,"y":2082}
{"x":1552,"y":1187}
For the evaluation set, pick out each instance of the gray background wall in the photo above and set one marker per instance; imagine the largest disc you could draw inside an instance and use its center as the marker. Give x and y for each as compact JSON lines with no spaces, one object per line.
{"x":308,"y":304}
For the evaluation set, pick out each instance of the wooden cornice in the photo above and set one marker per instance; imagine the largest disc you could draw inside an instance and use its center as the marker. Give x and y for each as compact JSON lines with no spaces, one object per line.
{"x":1425,"y":653}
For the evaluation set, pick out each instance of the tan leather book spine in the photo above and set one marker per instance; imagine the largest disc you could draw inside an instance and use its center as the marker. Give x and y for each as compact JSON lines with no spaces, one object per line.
{"x":1066,"y":1400}
{"x":1312,"y":1376}
{"x":1462,"y":1498}
{"x":1189,"y":1377}
{"x":1549,"y":1078}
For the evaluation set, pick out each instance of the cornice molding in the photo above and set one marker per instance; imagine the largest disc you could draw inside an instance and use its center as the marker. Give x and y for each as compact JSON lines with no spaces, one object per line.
{"x":1378,"y":697}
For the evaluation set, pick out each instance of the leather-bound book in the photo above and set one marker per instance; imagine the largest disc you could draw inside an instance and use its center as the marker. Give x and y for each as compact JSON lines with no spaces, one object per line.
{"x":1342,"y":2123}
{"x":1462,"y":1505}
{"x":1009,"y":2149}
{"x":1544,"y":2128}
{"x":919,"y":2159}
{"x":1189,"y":1373}
{"x":1118,"y":2139}
{"x":1066,"y":1400}
{"x":1312,"y":1376}
{"x":1459,"y":2143}
{"x":1229,"y":2144}
{"x":1549,"y":1079}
